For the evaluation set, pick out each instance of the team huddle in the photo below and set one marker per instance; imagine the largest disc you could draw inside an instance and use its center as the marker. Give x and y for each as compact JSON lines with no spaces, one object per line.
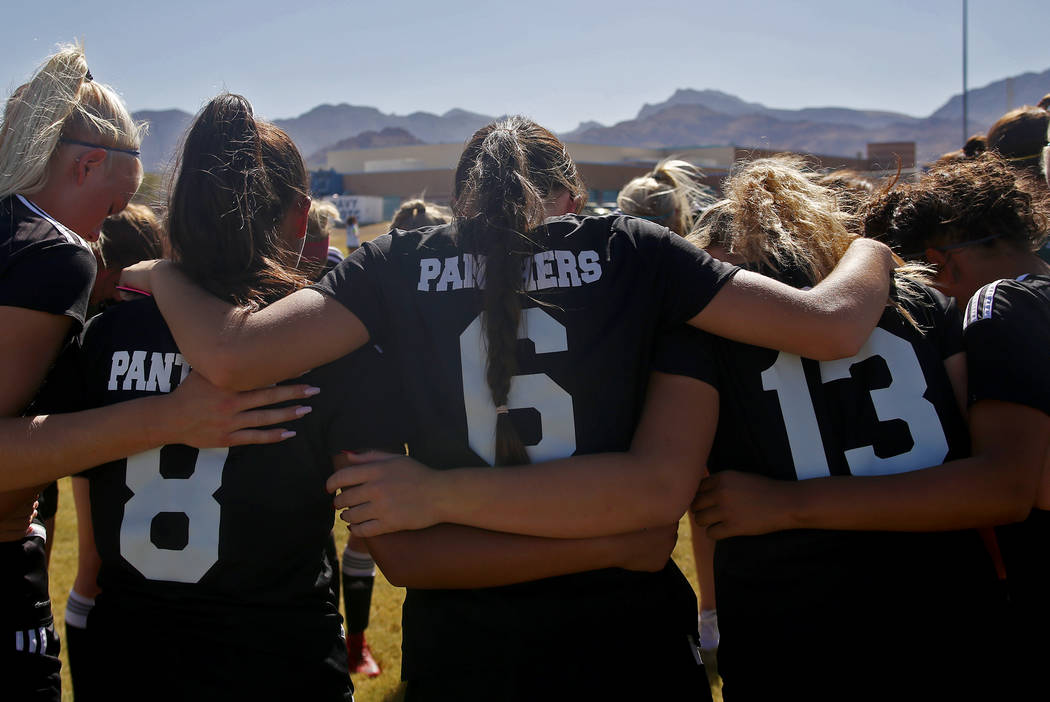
{"x":843,"y":383}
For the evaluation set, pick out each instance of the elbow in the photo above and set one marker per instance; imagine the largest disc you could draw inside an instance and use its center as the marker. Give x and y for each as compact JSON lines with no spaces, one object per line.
{"x":380,"y":548}
{"x":843,"y":338}
{"x":1017,"y":504}
{"x":222,"y":369}
{"x":669,"y":498}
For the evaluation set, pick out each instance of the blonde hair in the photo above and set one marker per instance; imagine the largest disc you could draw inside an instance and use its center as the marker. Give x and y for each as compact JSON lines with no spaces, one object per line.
{"x":666,"y":195}
{"x":322,"y":214}
{"x":778,"y":215}
{"x":417,"y":213}
{"x":60,"y":100}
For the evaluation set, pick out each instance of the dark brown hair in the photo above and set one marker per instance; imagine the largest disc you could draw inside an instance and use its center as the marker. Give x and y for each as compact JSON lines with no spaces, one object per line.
{"x":128,"y":237}
{"x":237,"y":179}
{"x":957,"y":202}
{"x":1019,"y":137}
{"x":977,"y":144}
{"x":507,"y":173}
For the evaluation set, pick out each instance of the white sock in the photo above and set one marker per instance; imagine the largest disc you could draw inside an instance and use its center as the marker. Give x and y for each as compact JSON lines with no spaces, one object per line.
{"x":708,"y":629}
{"x":78,"y":608}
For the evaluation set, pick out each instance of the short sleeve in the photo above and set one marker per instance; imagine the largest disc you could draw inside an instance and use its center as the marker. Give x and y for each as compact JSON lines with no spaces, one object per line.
{"x":360,"y":407}
{"x":691,"y":278}
{"x":1006,"y":341}
{"x":355,"y":284}
{"x":63,"y":390}
{"x":945,"y":328}
{"x":685,"y":350}
{"x":52,"y":277}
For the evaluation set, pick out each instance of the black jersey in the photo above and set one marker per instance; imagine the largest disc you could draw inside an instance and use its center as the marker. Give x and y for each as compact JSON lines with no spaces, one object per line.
{"x":45,"y":267}
{"x":224,"y":547}
{"x":1007,"y":337}
{"x":599,"y":289}
{"x":888,"y":409}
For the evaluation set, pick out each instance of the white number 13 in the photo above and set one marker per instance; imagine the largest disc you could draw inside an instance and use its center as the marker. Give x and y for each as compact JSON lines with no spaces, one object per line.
{"x":902,"y":399}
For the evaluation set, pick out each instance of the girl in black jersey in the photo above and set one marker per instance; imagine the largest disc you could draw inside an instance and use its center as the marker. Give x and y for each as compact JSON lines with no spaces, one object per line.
{"x":68,"y":158}
{"x":805,"y":592}
{"x":975,"y":224}
{"x":224,"y":549}
{"x":590,"y":295}
{"x":981,"y":227}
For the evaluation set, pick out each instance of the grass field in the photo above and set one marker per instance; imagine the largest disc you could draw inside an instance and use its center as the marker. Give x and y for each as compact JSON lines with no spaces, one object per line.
{"x":384,"y":632}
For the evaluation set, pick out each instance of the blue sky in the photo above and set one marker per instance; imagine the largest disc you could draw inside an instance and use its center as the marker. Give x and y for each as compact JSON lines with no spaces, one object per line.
{"x":559,"y":62}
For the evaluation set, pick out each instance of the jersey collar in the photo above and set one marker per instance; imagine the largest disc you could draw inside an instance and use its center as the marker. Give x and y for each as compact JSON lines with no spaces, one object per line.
{"x":71,"y":235}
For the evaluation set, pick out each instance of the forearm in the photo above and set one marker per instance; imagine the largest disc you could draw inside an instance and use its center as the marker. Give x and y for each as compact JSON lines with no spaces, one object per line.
{"x":963,"y":494}
{"x":580,"y":497}
{"x":454,"y":557}
{"x":210,"y":332}
{"x":37,"y":450}
{"x":237,"y":349}
{"x":832,"y":320}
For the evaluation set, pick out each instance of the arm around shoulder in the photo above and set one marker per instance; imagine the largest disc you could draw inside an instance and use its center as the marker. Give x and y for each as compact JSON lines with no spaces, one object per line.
{"x":831,"y":320}
{"x":238,"y":349}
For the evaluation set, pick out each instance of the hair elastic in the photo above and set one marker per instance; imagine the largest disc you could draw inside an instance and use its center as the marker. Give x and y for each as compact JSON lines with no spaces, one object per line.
{"x":502,"y":409}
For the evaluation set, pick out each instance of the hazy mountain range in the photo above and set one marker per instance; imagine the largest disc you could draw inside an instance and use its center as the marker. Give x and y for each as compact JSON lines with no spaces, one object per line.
{"x":688,"y":118}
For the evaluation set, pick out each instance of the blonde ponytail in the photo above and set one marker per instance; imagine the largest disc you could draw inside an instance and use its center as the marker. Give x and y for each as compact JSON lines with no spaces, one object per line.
{"x":666,"y":195}
{"x":60,"y":100}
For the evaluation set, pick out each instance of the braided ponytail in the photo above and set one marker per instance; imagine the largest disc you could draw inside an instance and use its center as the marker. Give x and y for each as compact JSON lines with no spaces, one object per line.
{"x":506,"y":175}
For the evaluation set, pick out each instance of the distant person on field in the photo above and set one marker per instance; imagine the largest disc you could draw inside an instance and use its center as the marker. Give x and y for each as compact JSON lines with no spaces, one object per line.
{"x":352,"y":232}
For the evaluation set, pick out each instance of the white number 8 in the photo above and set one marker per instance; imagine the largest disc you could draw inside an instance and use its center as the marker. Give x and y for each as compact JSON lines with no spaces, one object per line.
{"x":192,"y":496}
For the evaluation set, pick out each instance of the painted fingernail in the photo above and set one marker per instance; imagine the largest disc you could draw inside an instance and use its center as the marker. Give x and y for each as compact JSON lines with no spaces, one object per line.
{"x":311,"y":391}
{"x":287,"y":434}
{"x":305,"y":409}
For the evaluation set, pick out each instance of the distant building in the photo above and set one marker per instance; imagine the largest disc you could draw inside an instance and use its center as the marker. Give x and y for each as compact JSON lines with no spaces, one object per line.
{"x":325,"y":182}
{"x":400,"y":172}
{"x":885,"y":155}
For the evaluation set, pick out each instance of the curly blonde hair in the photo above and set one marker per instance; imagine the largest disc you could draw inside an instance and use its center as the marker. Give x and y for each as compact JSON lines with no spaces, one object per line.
{"x":776,"y":214}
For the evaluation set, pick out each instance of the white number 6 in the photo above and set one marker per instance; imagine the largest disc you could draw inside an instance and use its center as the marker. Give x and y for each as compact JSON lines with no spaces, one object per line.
{"x":535,"y":390}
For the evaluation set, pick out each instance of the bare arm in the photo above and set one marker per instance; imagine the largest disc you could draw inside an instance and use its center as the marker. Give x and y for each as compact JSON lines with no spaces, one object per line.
{"x":88,"y":560}
{"x":584,"y":496}
{"x":36,"y":450}
{"x":996,"y":485}
{"x":236,"y":349}
{"x":452,"y":556}
{"x":830,"y":321}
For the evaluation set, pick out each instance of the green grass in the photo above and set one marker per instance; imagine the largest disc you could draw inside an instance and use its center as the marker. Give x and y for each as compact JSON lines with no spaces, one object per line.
{"x":384,"y":632}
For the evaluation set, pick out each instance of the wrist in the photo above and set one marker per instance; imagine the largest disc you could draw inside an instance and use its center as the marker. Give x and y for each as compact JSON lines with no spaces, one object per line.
{"x":445,"y":487}
{"x":162,"y":430}
{"x":795,"y":506}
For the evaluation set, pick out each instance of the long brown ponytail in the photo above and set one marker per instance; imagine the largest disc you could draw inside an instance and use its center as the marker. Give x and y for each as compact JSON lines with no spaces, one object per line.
{"x":509,"y":170}
{"x":237,"y":179}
